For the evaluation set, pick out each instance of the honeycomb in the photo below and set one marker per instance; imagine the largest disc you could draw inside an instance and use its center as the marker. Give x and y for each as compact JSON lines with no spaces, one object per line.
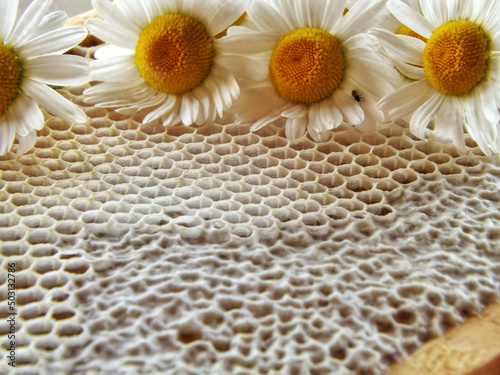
{"x":214,"y":250}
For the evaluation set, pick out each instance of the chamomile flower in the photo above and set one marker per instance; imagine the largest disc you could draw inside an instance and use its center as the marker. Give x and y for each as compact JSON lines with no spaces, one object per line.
{"x":305,"y":61}
{"x":30,"y":59}
{"x":163,"y":55}
{"x":454,"y":62}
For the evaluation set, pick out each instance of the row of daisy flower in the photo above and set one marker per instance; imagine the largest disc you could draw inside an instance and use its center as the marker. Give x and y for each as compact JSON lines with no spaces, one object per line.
{"x":316,"y":64}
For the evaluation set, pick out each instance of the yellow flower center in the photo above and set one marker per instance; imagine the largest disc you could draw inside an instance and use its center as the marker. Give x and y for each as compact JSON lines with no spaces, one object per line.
{"x":405,"y":30}
{"x":456,"y":57}
{"x":10,"y":78}
{"x":307,"y":65}
{"x":174,"y":54}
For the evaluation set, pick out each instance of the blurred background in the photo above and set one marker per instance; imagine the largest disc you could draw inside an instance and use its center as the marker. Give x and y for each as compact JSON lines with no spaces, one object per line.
{"x":71,"y":7}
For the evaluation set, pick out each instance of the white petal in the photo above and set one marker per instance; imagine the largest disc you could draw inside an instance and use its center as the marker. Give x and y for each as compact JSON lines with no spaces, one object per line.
{"x":366,"y":81}
{"x":232,"y":85}
{"x":8,"y":13}
{"x":115,"y":69}
{"x":297,"y":110}
{"x":173,"y":116}
{"x":212,"y":85}
{"x":410,"y":71}
{"x":186,"y":7}
{"x":247,"y":43}
{"x":53,"y":102}
{"x":494,"y":65}
{"x":65,"y":70}
{"x":25,"y":115}
{"x":110,"y":51}
{"x":224,"y":81}
{"x":373,"y":115}
{"x":467,"y":10}
{"x":372,"y":72}
{"x":116,"y":94}
{"x":351,"y":111}
{"x":247,"y":67}
{"x":153,"y":9}
{"x":372,"y":76}
{"x":411,"y":18}
{"x":152,"y":100}
{"x":267,"y":18}
{"x":7,"y":134}
{"x":225,"y":94}
{"x":481,"y":130}
{"x":435,"y":11}
{"x":363,"y":41}
{"x":291,"y":15}
{"x":302,"y":12}
{"x":115,"y":17}
{"x":330,"y":114}
{"x":488,"y":102}
{"x":491,"y":17}
{"x":360,"y":18}
{"x":142,"y":12}
{"x":314,"y":116}
{"x":312,"y":13}
{"x":247,"y":28}
{"x":26,"y":143}
{"x":110,"y":34}
{"x":406,"y":99}
{"x":318,"y":136}
{"x":398,"y":47}
{"x":416,"y":43}
{"x":28,"y":23}
{"x":266,"y":120}
{"x":162,"y":110}
{"x":448,"y":125}
{"x":424,"y":114}
{"x":172,"y":119}
{"x":51,"y":22}
{"x":255,"y":103}
{"x":454,"y":9}
{"x":171,"y":6}
{"x":207,"y":112}
{"x":219,"y":15}
{"x":309,"y":13}
{"x":53,"y":43}
{"x":295,"y":127}
{"x":332,"y":13}
{"x":126,"y":111}
{"x":189,"y":108}
{"x":135,"y":13}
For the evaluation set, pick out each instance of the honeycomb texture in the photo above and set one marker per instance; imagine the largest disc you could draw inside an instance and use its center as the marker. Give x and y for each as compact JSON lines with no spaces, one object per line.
{"x":214,"y":250}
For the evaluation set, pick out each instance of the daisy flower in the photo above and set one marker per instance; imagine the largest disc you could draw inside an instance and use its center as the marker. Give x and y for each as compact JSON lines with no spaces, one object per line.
{"x":30,"y":59}
{"x":306,"y":62}
{"x":454,"y":64}
{"x":163,"y":55}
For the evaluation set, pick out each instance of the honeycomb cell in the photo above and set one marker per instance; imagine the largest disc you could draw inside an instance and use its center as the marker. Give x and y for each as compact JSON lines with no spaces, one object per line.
{"x":404,"y":177}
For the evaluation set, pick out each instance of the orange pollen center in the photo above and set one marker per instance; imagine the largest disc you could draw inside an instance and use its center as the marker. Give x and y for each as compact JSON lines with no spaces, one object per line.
{"x":10,"y":78}
{"x":456,"y":57}
{"x":174,"y":54}
{"x":307,"y":65}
